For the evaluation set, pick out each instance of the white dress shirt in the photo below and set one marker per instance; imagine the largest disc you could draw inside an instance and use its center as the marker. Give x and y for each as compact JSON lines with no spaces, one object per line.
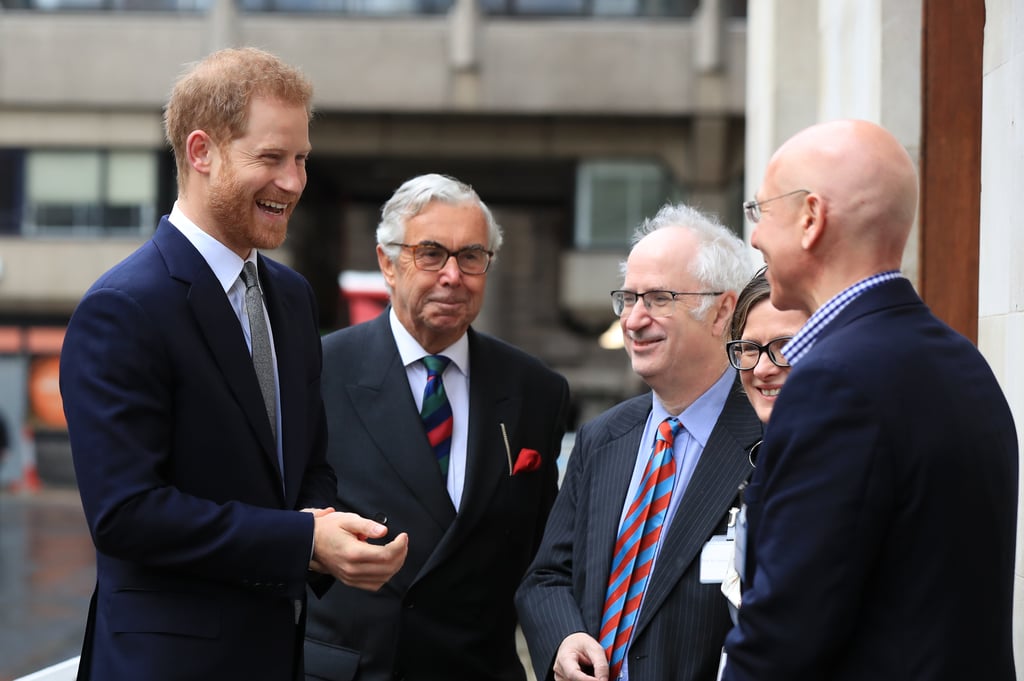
{"x":456,"y":387}
{"x":227,"y":267}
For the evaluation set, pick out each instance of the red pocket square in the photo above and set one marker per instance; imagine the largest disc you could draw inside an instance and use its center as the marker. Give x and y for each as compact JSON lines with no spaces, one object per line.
{"x":528,"y":460}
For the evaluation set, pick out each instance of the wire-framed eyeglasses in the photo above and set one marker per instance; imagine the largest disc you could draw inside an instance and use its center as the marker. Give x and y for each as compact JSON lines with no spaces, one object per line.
{"x":752,"y":209}
{"x":432,"y":257}
{"x":658,"y":303}
{"x":745,"y":354}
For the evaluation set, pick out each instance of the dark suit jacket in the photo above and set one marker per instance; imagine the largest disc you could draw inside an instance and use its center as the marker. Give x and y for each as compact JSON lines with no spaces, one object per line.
{"x":682,"y":623}
{"x":198,"y":568}
{"x":448,"y":613}
{"x":882,"y":513}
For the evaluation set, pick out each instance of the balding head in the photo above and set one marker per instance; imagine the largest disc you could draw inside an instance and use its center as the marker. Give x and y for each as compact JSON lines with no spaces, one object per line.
{"x":853,"y":221}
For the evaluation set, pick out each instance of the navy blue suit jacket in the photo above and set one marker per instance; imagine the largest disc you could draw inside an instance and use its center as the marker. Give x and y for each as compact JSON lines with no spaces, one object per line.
{"x":199,"y":568}
{"x":448,"y":613}
{"x":882,"y":514}
{"x":682,"y":622}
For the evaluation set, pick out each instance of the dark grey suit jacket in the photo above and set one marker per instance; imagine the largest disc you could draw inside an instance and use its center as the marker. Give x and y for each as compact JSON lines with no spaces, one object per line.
{"x":682,"y":623}
{"x":448,"y":613}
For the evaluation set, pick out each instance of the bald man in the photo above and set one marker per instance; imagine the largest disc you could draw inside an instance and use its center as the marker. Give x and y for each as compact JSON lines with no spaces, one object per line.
{"x":880,"y":519}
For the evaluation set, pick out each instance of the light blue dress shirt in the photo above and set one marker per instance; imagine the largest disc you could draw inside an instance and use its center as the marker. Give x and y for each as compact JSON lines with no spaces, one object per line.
{"x":698,"y":420}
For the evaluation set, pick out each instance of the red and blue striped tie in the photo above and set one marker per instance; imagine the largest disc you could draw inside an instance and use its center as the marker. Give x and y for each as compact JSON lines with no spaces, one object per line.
{"x":436,"y":412}
{"x":634,"y":548}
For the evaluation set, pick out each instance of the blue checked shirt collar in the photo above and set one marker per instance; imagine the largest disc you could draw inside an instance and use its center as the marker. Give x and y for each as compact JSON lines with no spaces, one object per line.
{"x":808,"y":334}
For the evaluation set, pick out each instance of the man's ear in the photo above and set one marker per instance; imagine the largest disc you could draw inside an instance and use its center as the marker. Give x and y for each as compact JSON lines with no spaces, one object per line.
{"x":200,"y":151}
{"x":723,"y":313}
{"x":813,"y":219}
{"x":387,"y":268}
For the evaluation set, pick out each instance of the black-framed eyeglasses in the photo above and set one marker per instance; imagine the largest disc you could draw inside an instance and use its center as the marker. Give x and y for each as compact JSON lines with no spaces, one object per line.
{"x":658,"y":303}
{"x":752,"y":209}
{"x":432,"y":257}
{"x":745,"y":354}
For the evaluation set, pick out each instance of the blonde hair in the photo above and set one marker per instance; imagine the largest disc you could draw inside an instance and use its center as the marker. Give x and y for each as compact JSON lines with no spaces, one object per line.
{"x":213,"y":95}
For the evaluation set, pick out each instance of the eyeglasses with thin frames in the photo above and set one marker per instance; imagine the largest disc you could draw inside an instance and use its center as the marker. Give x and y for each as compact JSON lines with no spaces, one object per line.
{"x":752,"y":209}
{"x":745,"y":354}
{"x":658,"y":303}
{"x":432,"y":257}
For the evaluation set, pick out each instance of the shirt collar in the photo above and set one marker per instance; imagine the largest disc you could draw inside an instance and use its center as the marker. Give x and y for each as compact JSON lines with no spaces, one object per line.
{"x":224,"y":262}
{"x":411,"y":351}
{"x":801,"y":343}
{"x":700,"y":418}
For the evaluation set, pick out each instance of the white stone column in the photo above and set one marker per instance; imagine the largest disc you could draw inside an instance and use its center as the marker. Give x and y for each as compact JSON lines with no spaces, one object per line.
{"x":1001,"y":257}
{"x":782,"y":79}
{"x":222,"y":25}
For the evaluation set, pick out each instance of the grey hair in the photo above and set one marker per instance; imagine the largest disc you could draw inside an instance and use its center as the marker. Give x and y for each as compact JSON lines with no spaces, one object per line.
{"x":723,"y":262}
{"x":414,"y":195}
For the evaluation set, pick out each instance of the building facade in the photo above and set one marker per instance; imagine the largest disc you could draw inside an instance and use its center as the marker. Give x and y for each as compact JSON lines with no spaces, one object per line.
{"x":573,"y":119}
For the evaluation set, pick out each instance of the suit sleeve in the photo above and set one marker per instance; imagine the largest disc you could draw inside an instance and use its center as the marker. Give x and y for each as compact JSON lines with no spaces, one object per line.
{"x":118,"y":382}
{"x":817,"y":509}
{"x":545,"y":601}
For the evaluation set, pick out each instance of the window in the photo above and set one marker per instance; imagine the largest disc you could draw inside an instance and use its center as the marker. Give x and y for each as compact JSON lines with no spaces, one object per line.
{"x":113,"y":5}
{"x":613,"y":197}
{"x":90,"y":192}
{"x":592,"y":8}
{"x":395,"y":8}
{"x":11,"y":190}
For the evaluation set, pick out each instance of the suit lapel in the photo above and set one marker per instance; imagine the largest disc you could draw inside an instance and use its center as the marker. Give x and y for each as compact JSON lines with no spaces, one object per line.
{"x":722,"y":467}
{"x":613,"y":467}
{"x":220,"y":328}
{"x":382,"y":392}
{"x":492,"y":401}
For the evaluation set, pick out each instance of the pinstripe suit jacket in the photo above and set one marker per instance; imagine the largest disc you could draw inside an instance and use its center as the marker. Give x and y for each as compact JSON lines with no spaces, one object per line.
{"x":681,"y":627}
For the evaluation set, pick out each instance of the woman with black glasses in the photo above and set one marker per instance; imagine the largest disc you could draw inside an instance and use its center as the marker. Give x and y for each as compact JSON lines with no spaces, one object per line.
{"x":759,"y":332}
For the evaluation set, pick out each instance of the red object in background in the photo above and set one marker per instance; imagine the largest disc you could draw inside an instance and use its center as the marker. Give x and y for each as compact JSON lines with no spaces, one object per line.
{"x":44,"y":392}
{"x":365,"y":293}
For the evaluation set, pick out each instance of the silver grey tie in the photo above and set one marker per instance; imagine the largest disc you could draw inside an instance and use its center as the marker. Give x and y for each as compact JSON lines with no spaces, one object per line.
{"x":262,"y":358}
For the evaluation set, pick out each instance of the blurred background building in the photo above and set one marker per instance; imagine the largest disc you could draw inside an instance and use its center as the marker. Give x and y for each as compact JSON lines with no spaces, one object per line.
{"x":573,"y":119}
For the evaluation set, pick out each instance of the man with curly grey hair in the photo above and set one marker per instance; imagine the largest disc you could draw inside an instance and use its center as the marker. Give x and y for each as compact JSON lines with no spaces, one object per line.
{"x":452,"y":436}
{"x":624,"y":584}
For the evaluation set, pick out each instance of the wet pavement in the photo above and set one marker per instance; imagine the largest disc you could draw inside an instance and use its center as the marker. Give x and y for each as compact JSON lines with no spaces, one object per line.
{"x":47,"y":574}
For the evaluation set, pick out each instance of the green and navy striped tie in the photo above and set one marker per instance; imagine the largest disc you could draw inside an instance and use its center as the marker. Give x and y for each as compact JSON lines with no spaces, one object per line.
{"x":436,"y":412}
